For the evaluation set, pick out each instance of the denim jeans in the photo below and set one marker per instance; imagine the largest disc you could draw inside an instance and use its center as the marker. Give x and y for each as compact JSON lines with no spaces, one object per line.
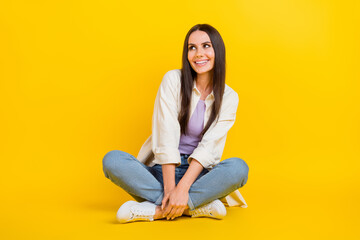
{"x":145,"y":183}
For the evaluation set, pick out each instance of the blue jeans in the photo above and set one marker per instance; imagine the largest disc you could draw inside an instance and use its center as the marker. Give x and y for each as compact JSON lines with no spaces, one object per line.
{"x":145,"y":183}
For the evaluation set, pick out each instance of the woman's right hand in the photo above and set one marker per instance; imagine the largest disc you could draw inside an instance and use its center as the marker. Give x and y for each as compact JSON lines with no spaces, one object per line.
{"x":165,"y":200}
{"x":174,"y":203}
{"x":168,"y":171}
{"x":167,"y":192}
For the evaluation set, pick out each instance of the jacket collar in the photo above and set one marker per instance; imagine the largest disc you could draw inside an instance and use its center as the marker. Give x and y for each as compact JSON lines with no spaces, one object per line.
{"x":211,"y":95}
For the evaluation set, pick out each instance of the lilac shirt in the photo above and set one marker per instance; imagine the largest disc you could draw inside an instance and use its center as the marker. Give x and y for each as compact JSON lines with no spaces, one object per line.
{"x":196,"y":124}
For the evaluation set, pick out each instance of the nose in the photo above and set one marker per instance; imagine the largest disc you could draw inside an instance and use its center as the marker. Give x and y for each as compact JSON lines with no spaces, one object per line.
{"x":199,"y":52}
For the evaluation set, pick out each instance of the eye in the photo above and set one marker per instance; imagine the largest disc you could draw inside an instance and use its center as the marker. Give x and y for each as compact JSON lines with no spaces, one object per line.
{"x":191,"y":47}
{"x":207,"y":45}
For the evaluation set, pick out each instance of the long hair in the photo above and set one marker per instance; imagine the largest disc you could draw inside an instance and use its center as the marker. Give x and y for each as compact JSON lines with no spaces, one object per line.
{"x":188,"y":75}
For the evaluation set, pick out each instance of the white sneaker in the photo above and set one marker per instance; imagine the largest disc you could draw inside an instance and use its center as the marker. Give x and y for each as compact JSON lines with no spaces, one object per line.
{"x":132,"y":211}
{"x":215,"y":209}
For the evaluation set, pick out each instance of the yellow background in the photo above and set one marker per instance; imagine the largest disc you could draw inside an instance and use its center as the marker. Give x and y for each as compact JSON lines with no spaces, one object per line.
{"x":79,"y":78}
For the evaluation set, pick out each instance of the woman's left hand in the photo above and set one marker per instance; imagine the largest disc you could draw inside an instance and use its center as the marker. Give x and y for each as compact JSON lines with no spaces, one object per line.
{"x":177,"y":201}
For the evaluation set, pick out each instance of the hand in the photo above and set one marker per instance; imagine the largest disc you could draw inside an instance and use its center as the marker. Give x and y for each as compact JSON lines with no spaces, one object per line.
{"x":174,"y":203}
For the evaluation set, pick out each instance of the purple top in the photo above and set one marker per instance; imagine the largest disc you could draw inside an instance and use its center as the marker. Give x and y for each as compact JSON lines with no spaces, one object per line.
{"x":196,"y":124}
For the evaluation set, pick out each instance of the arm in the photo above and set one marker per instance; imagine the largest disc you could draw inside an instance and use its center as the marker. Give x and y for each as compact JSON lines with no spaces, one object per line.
{"x":178,"y":197}
{"x":166,"y":129}
{"x":190,"y":176}
{"x":165,"y":124}
{"x":206,"y":155}
{"x":209,"y":151}
{"x":168,"y":171}
{"x":168,"y":178}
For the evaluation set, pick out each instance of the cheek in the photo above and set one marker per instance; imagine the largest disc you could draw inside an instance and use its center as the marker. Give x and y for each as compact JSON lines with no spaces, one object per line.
{"x":213,"y":58}
{"x":210,"y":53}
{"x":190,"y":56}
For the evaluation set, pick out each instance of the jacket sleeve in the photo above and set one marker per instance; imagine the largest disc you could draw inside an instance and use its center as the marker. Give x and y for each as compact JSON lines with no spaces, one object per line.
{"x":165,"y":124}
{"x":209,"y":151}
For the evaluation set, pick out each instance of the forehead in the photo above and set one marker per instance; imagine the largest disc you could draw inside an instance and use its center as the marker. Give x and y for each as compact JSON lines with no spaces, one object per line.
{"x":198,"y":37}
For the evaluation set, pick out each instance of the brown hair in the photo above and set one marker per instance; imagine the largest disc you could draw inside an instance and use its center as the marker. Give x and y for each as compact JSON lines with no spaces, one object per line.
{"x":188,"y":75}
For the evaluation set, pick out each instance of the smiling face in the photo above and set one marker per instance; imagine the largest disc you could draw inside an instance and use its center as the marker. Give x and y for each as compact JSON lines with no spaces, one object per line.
{"x":201,"y":54}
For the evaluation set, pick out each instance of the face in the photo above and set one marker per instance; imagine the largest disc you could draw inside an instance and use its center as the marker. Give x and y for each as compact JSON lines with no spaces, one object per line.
{"x":201,"y":55}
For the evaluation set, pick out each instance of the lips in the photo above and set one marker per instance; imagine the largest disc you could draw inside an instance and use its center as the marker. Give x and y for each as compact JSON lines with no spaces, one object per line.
{"x":201,"y":62}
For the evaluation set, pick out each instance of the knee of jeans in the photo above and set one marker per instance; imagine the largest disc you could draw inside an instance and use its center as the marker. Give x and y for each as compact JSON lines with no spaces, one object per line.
{"x":241,"y":171}
{"x":110,"y":158}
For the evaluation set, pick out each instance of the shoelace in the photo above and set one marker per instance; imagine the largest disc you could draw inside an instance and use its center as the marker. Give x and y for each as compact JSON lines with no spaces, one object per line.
{"x":202,"y":211}
{"x":140,"y":214}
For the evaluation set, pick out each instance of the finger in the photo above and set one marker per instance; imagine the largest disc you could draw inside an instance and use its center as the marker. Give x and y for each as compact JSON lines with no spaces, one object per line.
{"x":163,"y":202}
{"x":180,"y":212}
{"x":171,"y":214}
{"x":167,"y":210}
{"x":176,"y":214}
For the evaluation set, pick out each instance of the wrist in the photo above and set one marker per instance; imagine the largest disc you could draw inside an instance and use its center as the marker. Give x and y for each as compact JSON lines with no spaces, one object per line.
{"x":169,"y":187}
{"x":183,"y":186}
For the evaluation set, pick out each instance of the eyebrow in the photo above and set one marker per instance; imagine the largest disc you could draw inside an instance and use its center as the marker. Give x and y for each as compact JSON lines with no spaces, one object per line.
{"x":201,"y":43}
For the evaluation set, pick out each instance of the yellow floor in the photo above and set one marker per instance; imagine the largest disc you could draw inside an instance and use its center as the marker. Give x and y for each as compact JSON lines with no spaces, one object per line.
{"x":281,"y":206}
{"x":324,"y":218}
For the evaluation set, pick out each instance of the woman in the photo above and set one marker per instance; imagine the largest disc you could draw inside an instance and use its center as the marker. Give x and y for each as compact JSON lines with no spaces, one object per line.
{"x":178,"y":170}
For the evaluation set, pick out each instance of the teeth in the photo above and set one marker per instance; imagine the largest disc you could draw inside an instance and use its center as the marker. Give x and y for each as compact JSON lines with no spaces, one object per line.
{"x":202,"y":62}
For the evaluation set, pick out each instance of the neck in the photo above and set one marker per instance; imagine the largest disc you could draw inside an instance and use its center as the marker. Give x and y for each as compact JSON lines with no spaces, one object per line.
{"x":204,"y":81}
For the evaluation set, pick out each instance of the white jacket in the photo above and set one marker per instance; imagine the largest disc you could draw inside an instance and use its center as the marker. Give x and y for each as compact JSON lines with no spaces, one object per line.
{"x":162,"y":147}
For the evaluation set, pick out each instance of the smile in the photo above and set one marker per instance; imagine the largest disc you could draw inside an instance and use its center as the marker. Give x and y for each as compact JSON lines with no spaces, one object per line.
{"x":201,"y":63}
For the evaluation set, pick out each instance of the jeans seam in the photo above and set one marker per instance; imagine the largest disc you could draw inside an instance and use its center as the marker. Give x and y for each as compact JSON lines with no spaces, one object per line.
{"x":190,"y":204}
{"x":160,"y":198}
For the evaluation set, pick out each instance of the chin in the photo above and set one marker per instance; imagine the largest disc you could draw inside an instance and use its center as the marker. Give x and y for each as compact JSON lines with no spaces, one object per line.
{"x":202,"y":71}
